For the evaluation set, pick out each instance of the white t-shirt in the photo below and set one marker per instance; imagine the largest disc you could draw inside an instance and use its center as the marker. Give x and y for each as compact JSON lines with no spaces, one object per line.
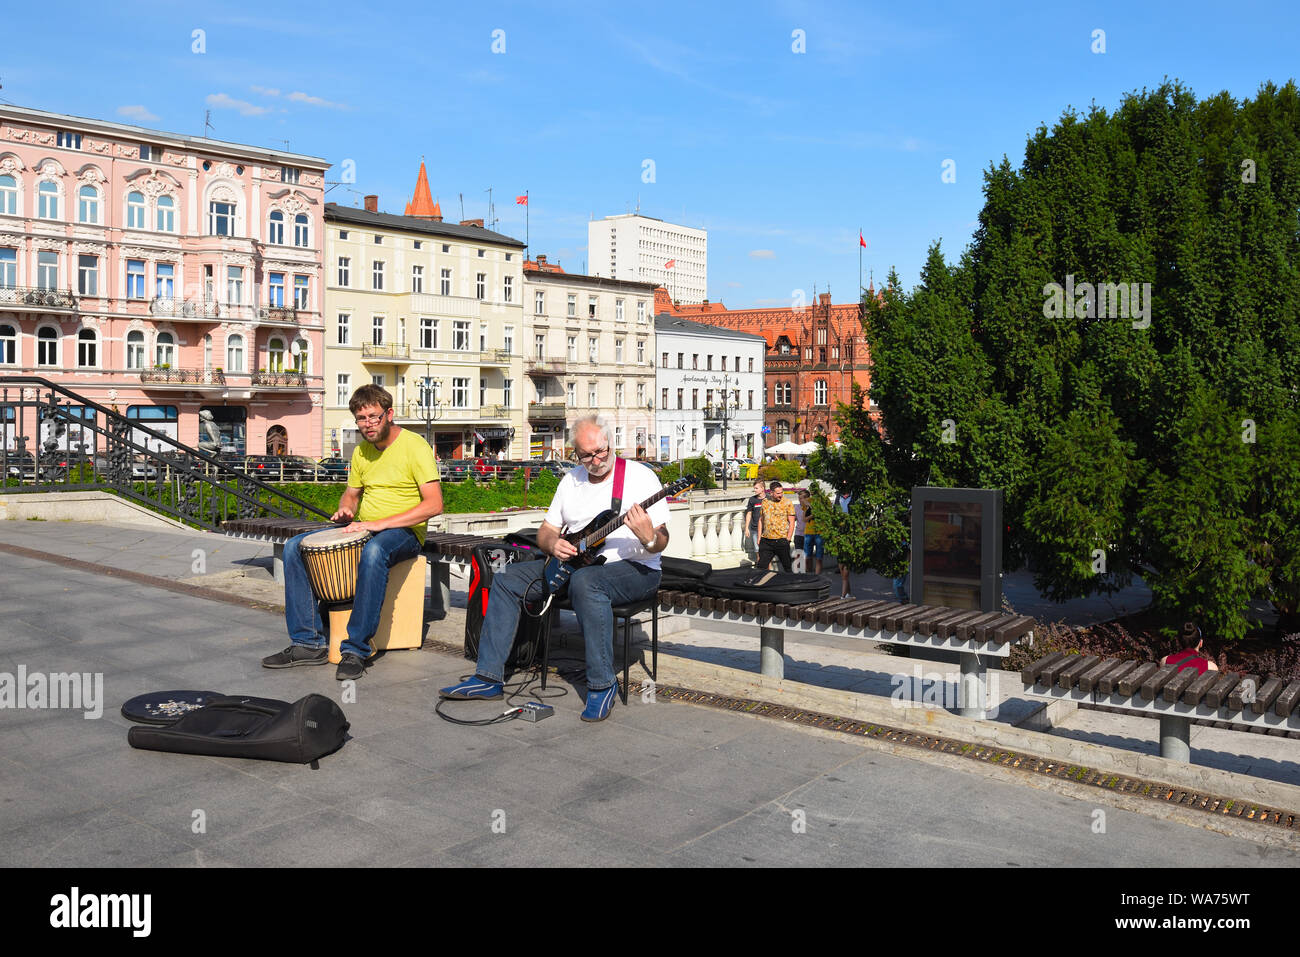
{"x":577,"y":501}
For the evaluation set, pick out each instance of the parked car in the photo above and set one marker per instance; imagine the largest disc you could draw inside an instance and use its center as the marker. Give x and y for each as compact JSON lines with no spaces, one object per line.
{"x":299,"y":468}
{"x":458,"y":469}
{"x":337,"y":467}
{"x":485,"y":470}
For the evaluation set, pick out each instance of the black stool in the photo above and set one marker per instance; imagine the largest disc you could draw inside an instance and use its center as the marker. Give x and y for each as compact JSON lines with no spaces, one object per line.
{"x":625,"y":612}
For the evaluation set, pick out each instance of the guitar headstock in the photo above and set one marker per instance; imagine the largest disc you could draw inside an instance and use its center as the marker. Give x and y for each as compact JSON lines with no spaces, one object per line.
{"x":681,"y":485}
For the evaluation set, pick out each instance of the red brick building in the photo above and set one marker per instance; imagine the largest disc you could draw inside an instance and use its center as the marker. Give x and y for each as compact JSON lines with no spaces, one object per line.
{"x":814,"y":355}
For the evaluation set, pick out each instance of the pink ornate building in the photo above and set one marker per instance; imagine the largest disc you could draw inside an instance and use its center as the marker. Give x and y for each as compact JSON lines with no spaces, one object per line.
{"x":173,"y":277}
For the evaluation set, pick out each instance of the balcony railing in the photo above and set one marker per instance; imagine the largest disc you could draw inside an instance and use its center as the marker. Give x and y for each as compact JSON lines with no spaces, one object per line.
{"x":387,"y":350}
{"x":495,"y":357}
{"x":160,"y":375}
{"x":33,"y":296}
{"x":550,"y":365}
{"x":545,"y":411}
{"x":278,"y":313}
{"x":281,"y":380}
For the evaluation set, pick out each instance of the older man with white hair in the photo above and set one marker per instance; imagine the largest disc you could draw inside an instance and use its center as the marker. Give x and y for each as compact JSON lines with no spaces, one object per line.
{"x":630,"y":571}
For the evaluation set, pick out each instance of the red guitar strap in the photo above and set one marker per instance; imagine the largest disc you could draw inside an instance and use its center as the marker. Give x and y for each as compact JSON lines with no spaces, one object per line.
{"x":616,"y":502}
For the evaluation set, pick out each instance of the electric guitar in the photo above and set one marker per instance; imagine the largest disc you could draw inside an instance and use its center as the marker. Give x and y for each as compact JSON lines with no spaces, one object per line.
{"x":556,"y":573}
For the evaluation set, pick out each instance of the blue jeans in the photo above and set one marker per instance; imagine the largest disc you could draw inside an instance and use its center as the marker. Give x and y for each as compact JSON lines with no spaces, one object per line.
{"x":302,"y":611}
{"x":592,"y":592}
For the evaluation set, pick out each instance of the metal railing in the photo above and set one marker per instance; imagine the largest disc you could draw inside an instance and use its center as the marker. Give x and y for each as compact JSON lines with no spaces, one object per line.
{"x":286,"y":380}
{"x":53,"y":439}
{"x":385,"y":350}
{"x":169,"y":376}
{"x":34,"y":296}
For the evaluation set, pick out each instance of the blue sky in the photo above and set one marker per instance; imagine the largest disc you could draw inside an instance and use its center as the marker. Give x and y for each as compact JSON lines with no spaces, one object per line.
{"x":781,"y":156}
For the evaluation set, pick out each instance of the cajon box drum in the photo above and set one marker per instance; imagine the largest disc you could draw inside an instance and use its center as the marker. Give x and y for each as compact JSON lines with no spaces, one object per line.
{"x":401,"y":619}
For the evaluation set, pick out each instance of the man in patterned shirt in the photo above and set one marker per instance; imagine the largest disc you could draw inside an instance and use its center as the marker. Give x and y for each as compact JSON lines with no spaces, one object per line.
{"x":775,"y":528}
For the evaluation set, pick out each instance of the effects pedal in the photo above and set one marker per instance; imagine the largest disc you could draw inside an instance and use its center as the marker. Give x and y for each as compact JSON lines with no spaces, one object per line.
{"x":535,"y":711}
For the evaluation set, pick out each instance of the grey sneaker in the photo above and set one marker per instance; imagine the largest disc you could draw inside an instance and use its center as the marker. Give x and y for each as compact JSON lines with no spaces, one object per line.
{"x":350,"y":667}
{"x":296,"y":655}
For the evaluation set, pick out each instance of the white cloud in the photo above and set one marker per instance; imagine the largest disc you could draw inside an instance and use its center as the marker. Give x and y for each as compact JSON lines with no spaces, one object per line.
{"x":761,"y":254}
{"x":223,"y":102}
{"x":265,"y":90}
{"x":139,"y":113}
{"x":299,"y":97}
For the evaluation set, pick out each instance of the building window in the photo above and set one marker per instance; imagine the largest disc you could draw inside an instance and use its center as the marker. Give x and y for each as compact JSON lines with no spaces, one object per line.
{"x":343,"y":234}
{"x":539,"y":303}
{"x":165,"y":349}
{"x":290,"y":174}
{"x":640,"y":393}
{"x":221,"y":219}
{"x":480,"y":285}
{"x":482,"y":393}
{"x":8,"y":268}
{"x":275,"y":289}
{"x":69,"y":141}
{"x":679,"y":398}
{"x":664,"y":361}
{"x":234,"y":285}
{"x":591,"y":307}
{"x":8,"y":195}
{"x":86,"y":349}
{"x":663,"y":398}
{"x":47,"y":201}
{"x":376,"y":330}
{"x":88,"y":275}
{"x":446,"y":282}
{"x":618,"y":310}
{"x":301,"y":361}
{"x":135,"y":278}
{"x":640,"y":350}
{"x":751,"y":399}
{"x":695,"y":360}
{"x":166,"y":214}
{"x":345,"y":329}
{"x":618,"y":438}
{"x":275,"y":228}
{"x":593,"y":354}
{"x":640,"y":312}
{"x":751,"y":365}
{"x":165,"y":280}
{"x":482,"y":253}
{"x":460,"y":335}
{"x":417,"y":279}
{"x":345,"y":270}
{"x":460,"y":393}
{"x":47,"y":347}
{"x":782,"y":431}
{"x":591,"y":395}
{"x":428,"y":334}
{"x":234,"y":353}
{"x":573,"y":307}
{"x":618,"y":350}
{"x":695,"y":398}
{"x":135,"y":210}
{"x":819,"y":392}
{"x":301,"y":293}
{"x":508,"y":393}
{"x":275,"y":355}
{"x":571,"y":392}
{"x":573,"y":348}
{"x":301,"y":233}
{"x":709,"y":363}
{"x":482,"y":338}
{"x":88,"y":205}
{"x":377,"y":274}
{"x":344,"y":393}
{"x":508,"y":340}
{"x":539,"y":345}
{"x":379,"y":240}
{"x":618,"y":395}
{"x":47,"y":270}
{"x":680,"y":356}
{"x":508,"y":289}
{"x":135,"y":350}
{"x":8,"y":345}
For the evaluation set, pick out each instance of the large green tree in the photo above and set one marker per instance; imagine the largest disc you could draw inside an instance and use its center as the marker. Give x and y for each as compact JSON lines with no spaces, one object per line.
{"x":1119,"y":350}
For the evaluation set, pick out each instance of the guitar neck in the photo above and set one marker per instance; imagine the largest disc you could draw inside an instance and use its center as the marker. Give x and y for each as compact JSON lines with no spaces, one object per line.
{"x":609,"y":528}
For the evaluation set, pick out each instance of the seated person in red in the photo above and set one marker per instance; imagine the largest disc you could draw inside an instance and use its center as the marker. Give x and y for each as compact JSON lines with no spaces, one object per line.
{"x":1190,"y":657}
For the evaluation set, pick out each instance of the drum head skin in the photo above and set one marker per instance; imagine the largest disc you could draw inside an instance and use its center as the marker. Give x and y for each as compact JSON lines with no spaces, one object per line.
{"x":332,"y":537}
{"x":165,"y":707}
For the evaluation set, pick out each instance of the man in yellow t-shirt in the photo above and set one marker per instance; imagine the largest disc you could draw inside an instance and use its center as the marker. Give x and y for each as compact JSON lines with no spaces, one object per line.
{"x":393,"y":490}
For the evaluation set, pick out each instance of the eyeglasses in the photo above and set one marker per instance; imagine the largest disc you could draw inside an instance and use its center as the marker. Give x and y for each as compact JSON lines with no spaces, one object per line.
{"x":586,"y":457}
{"x":368,"y":419}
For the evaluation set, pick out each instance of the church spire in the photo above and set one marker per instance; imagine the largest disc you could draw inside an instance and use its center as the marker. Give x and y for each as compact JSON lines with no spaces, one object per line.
{"x":422,"y":205}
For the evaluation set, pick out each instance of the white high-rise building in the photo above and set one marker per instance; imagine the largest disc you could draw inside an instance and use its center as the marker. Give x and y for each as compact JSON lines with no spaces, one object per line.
{"x":644,"y":249}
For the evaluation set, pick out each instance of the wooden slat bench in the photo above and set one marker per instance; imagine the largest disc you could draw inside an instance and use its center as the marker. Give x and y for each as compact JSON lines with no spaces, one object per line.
{"x":974,"y":635}
{"x":1176,"y":697}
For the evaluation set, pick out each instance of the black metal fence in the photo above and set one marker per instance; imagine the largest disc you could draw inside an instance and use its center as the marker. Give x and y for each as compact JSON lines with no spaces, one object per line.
{"x":54,"y":439}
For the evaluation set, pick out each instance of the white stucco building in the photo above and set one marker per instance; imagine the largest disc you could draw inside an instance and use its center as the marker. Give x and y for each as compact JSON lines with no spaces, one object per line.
{"x":708,"y":380}
{"x":640,"y":248}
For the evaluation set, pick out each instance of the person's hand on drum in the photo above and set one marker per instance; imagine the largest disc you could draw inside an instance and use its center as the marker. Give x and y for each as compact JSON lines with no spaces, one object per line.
{"x":364,"y":527}
{"x":343,"y":515}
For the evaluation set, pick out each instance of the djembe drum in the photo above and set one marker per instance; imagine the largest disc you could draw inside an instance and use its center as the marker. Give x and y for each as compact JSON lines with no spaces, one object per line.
{"x":331,"y":558}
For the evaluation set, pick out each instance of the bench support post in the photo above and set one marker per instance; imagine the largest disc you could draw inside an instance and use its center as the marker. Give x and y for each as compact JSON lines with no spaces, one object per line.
{"x":972,"y":695}
{"x":772,"y":651}
{"x":1175,"y":738}
{"x":439,"y":589}
{"x":277,"y":563}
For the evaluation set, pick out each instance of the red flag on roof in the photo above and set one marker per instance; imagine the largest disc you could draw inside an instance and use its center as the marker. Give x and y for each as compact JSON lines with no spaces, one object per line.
{"x":670,"y":264}
{"x":521,"y":200}
{"x":861,"y":241}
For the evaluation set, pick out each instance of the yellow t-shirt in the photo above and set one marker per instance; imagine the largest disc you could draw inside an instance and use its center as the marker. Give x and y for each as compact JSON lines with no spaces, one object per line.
{"x":390,"y":480}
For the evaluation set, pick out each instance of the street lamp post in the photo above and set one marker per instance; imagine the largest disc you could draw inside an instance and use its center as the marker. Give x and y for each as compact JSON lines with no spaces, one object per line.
{"x":726,"y":425}
{"x":432,"y":407}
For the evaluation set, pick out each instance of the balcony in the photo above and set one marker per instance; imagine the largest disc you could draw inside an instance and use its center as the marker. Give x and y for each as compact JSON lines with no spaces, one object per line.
{"x":201,"y":311}
{"x":546,"y":411}
{"x":550,"y":365}
{"x":280,"y":380}
{"x":386,"y":352}
{"x":716,"y":413}
{"x":41,"y":299}
{"x":278,"y":315}
{"x":167,"y":378}
{"x":495,"y":357}
{"x":457,"y":306}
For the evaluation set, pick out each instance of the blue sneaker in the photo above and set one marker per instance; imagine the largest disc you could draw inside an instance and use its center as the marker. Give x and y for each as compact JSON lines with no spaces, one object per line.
{"x":600,"y":703}
{"x":475,"y":687}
